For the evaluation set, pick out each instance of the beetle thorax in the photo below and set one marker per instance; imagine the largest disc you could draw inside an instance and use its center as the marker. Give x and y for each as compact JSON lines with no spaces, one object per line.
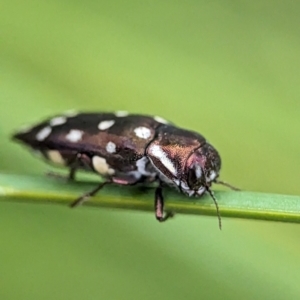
{"x":191,"y":171}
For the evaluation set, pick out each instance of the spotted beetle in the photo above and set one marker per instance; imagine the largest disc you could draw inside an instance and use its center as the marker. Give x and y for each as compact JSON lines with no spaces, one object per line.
{"x":127,"y":149}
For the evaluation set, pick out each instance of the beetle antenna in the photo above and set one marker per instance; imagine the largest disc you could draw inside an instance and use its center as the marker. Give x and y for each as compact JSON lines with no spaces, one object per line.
{"x":217,"y":206}
{"x":227,"y":184}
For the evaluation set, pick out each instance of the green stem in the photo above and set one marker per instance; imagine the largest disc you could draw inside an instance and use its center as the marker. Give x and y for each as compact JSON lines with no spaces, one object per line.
{"x":248,"y":205}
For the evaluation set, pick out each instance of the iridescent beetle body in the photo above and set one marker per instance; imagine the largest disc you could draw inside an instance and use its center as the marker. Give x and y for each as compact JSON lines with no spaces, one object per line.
{"x":128,"y":149}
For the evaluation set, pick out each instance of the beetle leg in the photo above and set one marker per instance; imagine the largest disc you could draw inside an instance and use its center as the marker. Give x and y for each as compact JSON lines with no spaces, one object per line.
{"x":69,"y":177}
{"x":72,"y":172}
{"x":160,"y":215}
{"x":74,"y":162}
{"x":88,"y":195}
{"x":124,"y":180}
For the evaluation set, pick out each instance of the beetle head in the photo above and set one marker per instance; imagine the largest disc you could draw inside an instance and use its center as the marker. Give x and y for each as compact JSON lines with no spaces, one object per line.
{"x":201,"y":169}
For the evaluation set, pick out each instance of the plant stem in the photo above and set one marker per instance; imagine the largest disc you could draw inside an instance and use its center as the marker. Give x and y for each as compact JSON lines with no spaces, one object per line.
{"x":248,"y":205}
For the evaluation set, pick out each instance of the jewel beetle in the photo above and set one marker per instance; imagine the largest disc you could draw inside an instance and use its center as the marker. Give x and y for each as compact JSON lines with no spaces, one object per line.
{"x":127,"y":149}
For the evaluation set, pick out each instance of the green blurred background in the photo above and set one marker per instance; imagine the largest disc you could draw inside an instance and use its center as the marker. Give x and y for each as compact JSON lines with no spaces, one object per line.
{"x":229,"y":70}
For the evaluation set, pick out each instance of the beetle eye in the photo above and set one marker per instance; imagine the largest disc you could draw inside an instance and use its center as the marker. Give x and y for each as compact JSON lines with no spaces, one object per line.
{"x":194,"y":177}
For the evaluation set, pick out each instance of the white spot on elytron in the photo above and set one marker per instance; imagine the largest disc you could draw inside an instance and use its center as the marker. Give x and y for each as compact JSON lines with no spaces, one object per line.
{"x":160,"y":120}
{"x":106,"y":124}
{"x":100,"y":165}
{"x":212,"y":175}
{"x":71,"y":113}
{"x":111,"y":147}
{"x":142,"y":132}
{"x":58,"y":121}
{"x":74,"y":135}
{"x":55,"y":157}
{"x":121,"y":113}
{"x":43,"y":133}
{"x":198,"y":171}
{"x":156,"y":151}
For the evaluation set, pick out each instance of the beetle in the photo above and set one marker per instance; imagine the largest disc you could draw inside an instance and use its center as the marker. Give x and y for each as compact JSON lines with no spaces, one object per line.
{"x":127,"y":149}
